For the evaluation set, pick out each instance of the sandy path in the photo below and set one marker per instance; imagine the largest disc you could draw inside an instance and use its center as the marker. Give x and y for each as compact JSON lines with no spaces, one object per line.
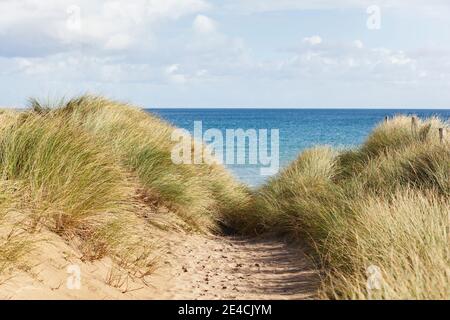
{"x":189,"y":267}
{"x":235,"y":268}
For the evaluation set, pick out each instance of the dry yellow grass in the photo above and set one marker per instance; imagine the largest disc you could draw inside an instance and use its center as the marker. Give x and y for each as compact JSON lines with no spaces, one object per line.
{"x":95,"y":172}
{"x":384,"y":206}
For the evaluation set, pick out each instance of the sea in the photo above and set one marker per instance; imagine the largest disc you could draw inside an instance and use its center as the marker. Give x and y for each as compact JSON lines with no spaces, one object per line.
{"x":298,"y":128}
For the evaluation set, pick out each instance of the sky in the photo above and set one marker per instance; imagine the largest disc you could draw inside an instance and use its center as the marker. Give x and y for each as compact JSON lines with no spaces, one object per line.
{"x":235,"y":53}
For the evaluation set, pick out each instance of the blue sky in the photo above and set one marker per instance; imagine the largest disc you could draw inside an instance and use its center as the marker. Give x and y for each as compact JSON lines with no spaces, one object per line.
{"x":247,"y":53}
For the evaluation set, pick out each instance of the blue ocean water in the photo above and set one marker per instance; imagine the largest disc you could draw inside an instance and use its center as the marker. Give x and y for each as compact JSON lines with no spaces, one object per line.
{"x":298,"y":128}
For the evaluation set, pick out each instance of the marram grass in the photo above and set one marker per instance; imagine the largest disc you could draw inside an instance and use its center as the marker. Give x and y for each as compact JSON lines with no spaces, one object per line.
{"x":95,"y":171}
{"x":384,"y":205}
{"x":91,"y":170}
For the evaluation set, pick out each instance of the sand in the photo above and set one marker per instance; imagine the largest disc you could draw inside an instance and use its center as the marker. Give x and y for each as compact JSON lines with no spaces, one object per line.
{"x":189,"y":267}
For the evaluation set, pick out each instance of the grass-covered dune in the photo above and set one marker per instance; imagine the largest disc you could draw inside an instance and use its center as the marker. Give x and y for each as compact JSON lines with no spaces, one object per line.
{"x":97,"y":176}
{"x":95,"y":172}
{"x":381,"y":208}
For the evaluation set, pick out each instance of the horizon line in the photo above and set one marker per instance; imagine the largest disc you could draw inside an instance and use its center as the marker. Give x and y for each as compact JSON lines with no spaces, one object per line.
{"x":302,"y":108}
{"x":264,"y":108}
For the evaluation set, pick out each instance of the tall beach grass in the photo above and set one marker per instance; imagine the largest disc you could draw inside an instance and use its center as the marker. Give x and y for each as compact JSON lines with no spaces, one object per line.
{"x":97,"y":172}
{"x":384,"y":206}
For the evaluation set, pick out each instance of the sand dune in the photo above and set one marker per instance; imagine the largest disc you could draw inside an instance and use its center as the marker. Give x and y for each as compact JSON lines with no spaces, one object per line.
{"x":190,"y":267}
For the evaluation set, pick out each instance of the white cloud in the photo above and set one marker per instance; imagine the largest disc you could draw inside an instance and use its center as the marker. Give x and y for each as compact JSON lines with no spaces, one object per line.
{"x":119,"y":41}
{"x":400,"y":58}
{"x":350,"y":62}
{"x":227,"y":58}
{"x":313,"y":40}
{"x":289,"y":5}
{"x":177,"y":44}
{"x":204,"y":25}
{"x":173,"y":74}
{"x":358,"y":44}
{"x":100,"y":25}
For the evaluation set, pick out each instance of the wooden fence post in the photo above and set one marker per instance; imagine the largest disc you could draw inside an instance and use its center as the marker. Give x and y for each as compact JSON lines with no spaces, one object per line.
{"x":414,"y":125}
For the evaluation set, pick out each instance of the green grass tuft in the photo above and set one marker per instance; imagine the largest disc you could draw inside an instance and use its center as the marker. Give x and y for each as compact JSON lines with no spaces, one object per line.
{"x":96,"y":172}
{"x":384,"y":204}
